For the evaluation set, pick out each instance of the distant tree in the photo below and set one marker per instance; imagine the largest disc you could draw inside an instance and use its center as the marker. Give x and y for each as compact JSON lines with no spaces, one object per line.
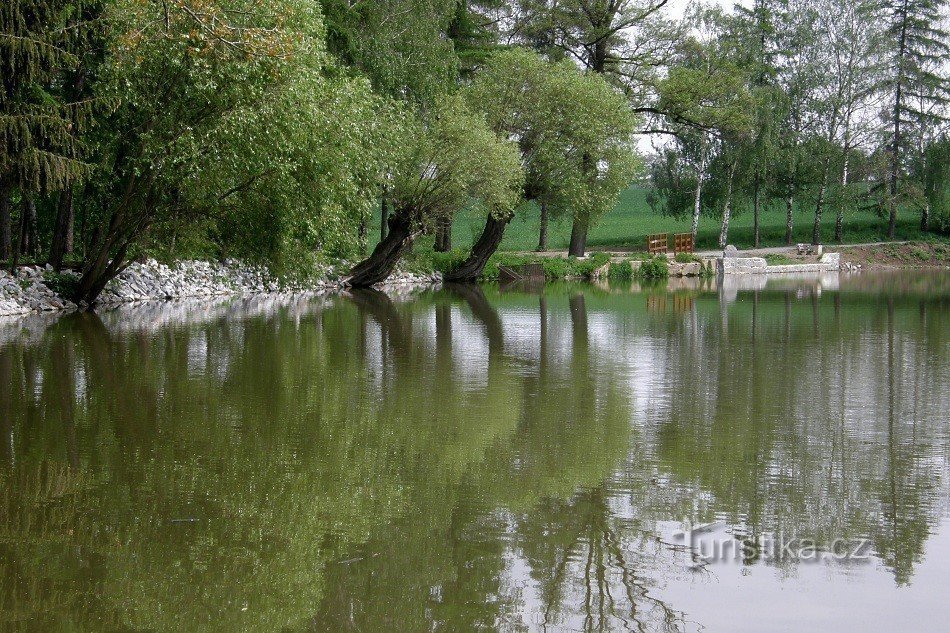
{"x":708,"y":93}
{"x":918,"y":46}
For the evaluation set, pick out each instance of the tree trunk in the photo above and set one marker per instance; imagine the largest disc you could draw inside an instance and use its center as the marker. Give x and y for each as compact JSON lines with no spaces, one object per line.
{"x":543,"y":236}
{"x":380,"y":264}
{"x":896,"y":148}
{"x":579,"y":236}
{"x":756,"y":204}
{"x":839,"y":212}
{"x":29,"y":246}
{"x":362,"y":235}
{"x":98,"y":272}
{"x":727,"y":210}
{"x":820,"y":202}
{"x":789,"y":218}
{"x":383,"y":218}
{"x":63,"y":230}
{"x":6,"y":223}
{"x":443,"y":235}
{"x":925,"y":217}
{"x":697,"y":199}
{"x":471,"y":269}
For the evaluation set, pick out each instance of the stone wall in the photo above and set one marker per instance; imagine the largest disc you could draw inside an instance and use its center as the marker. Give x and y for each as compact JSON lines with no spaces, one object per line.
{"x":742,"y":266}
{"x":830,"y":262}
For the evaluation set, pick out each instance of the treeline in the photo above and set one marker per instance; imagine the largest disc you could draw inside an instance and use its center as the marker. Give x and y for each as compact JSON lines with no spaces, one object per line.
{"x":273,"y":131}
{"x":832,"y":105}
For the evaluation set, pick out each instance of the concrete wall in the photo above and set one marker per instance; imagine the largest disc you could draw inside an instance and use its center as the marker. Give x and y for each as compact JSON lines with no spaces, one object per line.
{"x":830,"y":262}
{"x":742,"y":266}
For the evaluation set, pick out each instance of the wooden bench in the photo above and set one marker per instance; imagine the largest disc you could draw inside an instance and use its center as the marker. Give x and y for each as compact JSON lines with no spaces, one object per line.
{"x":684,"y":243}
{"x":658,"y":243}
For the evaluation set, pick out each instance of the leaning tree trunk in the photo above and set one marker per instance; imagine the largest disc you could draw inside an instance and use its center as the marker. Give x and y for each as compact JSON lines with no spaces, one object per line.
{"x":579,"y":236}
{"x":380,"y":264}
{"x":471,"y":269}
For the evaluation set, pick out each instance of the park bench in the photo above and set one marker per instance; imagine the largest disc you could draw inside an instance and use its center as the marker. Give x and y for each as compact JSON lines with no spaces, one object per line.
{"x":809,"y":249}
{"x":659,"y":243}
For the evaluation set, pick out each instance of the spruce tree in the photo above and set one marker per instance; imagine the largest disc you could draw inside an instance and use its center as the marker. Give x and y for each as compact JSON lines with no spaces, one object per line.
{"x":919,"y":45}
{"x":38,"y":145}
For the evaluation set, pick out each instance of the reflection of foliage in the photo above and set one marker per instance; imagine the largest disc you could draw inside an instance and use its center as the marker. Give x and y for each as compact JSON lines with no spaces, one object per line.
{"x":359,"y":467}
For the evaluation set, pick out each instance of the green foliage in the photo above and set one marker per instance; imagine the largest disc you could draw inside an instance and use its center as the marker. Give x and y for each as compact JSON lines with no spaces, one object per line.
{"x":555,"y":268}
{"x":39,"y":150}
{"x":621,"y":270}
{"x":573,"y":129}
{"x":63,"y":284}
{"x":657,"y":267}
{"x":399,"y":44}
{"x":686,"y":258}
{"x":452,"y":160}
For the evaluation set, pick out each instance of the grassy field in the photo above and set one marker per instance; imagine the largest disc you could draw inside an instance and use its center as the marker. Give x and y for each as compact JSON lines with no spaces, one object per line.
{"x":628,"y":224}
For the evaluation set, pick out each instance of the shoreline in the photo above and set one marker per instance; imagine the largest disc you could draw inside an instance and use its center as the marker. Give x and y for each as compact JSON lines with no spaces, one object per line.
{"x":31,"y":290}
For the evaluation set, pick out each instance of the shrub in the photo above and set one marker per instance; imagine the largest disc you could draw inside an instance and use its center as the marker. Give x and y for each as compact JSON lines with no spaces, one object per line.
{"x":622,"y":271}
{"x":446,"y":262}
{"x":655,"y":268}
{"x":62,"y":284}
{"x":686,"y":258}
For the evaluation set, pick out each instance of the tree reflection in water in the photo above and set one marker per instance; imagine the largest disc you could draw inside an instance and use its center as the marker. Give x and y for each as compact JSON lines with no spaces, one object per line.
{"x":466,"y":459}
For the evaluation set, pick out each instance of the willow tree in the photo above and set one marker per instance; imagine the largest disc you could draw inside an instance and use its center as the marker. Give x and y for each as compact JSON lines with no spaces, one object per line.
{"x":38,"y":151}
{"x":573,"y":132}
{"x":452,"y":160}
{"x":191,"y":83}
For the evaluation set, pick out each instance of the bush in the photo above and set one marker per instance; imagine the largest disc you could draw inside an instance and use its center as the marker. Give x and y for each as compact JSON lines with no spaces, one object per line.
{"x":447,"y":262}
{"x":554,"y":267}
{"x":62,"y":284}
{"x":654,"y":268}
{"x":621,"y":271}
{"x":686,"y":258}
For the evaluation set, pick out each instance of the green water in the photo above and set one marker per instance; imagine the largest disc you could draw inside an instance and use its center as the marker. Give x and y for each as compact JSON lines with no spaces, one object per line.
{"x":482,"y":459}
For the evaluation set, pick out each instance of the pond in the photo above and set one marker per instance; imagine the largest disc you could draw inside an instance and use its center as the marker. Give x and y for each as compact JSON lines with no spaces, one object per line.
{"x":751,"y":457}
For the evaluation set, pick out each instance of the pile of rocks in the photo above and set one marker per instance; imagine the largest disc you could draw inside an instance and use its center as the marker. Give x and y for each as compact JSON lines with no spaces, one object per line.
{"x":151,"y":280}
{"x":27,"y":292}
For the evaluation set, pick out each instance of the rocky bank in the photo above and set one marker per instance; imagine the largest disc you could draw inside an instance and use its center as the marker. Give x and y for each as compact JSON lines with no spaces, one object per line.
{"x":28,"y":290}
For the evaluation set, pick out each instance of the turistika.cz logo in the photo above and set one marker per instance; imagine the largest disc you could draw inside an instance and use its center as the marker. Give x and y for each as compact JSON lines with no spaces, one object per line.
{"x":711,"y":543}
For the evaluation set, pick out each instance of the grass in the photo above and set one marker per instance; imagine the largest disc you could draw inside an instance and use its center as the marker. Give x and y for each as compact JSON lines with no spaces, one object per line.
{"x":628,"y":224}
{"x":777,"y":259}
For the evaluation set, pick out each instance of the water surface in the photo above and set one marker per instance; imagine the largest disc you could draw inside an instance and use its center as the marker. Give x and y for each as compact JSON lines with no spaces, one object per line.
{"x":483,"y":458}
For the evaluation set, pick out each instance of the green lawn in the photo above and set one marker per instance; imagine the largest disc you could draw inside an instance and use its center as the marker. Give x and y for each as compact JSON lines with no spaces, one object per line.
{"x":628,"y":224}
